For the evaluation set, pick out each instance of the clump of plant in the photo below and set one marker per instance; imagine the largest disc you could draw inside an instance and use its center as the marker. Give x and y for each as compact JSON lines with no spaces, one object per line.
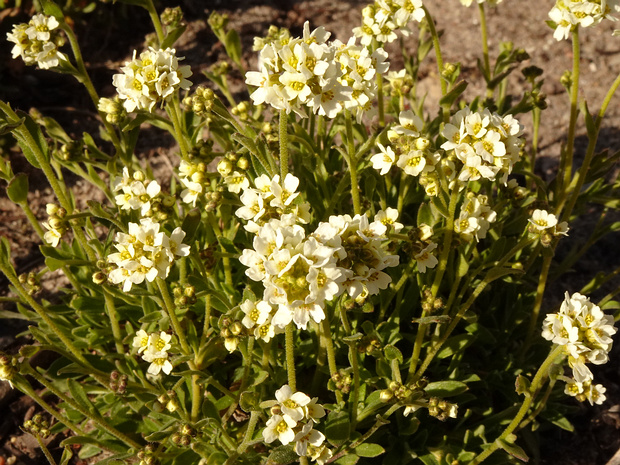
{"x":331,"y":267}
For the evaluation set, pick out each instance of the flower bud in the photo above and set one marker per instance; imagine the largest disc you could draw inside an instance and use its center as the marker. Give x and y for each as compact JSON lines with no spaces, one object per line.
{"x":386,"y":395}
{"x":224,"y":167}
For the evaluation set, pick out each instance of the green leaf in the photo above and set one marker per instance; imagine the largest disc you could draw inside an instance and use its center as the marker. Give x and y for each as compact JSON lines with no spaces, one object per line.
{"x":79,"y":395}
{"x":369,"y":450}
{"x":249,"y":401}
{"x":232,"y":42}
{"x":522,"y":385}
{"x":87,"y":440}
{"x":393,"y":353}
{"x":454,"y":94}
{"x":5,"y":252}
{"x":282,"y":455}
{"x":35,"y":133}
{"x":51,"y":9}
{"x":66,"y":456}
{"x":454,"y":345}
{"x":349,"y":459}
{"x":227,"y":245}
{"x":17,"y":190}
{"x":439,"y":319}
{"x":337,"y":427}
{"x":425,"y":215}
{"x":513,"y":449}
{"x":173,"y":36}
{"x":445,"y":388}
{"x":190,"y":225}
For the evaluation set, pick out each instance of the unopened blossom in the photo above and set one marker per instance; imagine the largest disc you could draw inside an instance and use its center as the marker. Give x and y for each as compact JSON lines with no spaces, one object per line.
{"x":151,"y":78}
{"x":381,"y":20}
{"x":37,"y":42}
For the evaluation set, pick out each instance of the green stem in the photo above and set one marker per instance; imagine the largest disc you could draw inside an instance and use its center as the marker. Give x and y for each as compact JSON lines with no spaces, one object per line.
{"x":566,"y":164}
{"x":447,"y":242}
{"x":10,"y":274}
{"x":326,"y":339}
{"x":45,"y":450}
{"x":33,"y":220}
{"x":485,"y":46}
{"x":380,"y":103}
{"x":592,"y":139}
{"x":352,"y":161}
{"x":290,"y":356}
{"x":540,"y":291}
{"x":169,"y":307}
{"x":283,"y":145}
{"x":156,"y":21}
{"x":354,"y":396}
{"x":540,"y":376}
{"x":95,"y":418}
{"x":440,"y":66}
{"x":179,"y":134}
{"x":113,"y":317}
{"x":249,"y":432}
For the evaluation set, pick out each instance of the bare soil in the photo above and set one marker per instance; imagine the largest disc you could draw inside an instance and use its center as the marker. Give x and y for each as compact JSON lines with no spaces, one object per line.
{"x":110,"y":34}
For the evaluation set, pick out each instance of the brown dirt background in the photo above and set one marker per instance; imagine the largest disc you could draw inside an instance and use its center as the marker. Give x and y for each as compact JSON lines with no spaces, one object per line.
{"x":109,"y":36}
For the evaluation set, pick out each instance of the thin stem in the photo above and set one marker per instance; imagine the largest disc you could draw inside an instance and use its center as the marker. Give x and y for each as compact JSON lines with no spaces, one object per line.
{"x":583,"y":171}
{"x":380,"y":103}
{"x":439,"y":57}
{"x":113,"y":317}
{"x":45,"y":450}
{"x":95,"y":418}
{"x":540,"y":291}
{"x":567,"y":160}
{"x":540,"y":376}
{"x":485,"y":46}
{"x":283,"y":145}
{"x":169,"y":307}
{"x":179,"y":134}
{"x":326,"y":339}
{"x":33,"y":220}
{"x":352,"y":161}
{"x":290,"y":356}
{"x":156,"y":21}
{"x":447,"y":242}
{"x":249,"y":432}
{"x":354,"y":397}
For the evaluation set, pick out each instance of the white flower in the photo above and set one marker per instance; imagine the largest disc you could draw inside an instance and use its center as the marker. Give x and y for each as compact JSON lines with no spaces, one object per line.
{"x":292,"y":403}
{"x":306,"y":436}
{"x":141,"y":341}
{"x":159,"y":362}
{"x":280,"y":427}
{"x":37,"y":42}
{"x":542,"y":220}
{"x":255,"y":314}
{"x":52,"y":236}
{"x":426,"y":259}
{"x":383,"y":161}
{"x":151,"y":78}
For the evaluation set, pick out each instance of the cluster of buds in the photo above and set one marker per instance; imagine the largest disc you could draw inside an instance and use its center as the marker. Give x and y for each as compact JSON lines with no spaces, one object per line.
{"x":232,"y":168}
{"x":55,"y":225}
{"x":37,"y":426}
{"x":70,"y":151}
{"x":546,"y":225}
{"x":441,"y":409}
{"x":400,"y":83}
{"x":37,"y":42}
{"x":172,"y":17}
{"x":274,"y":34}
{"x":220,"y":68}
{"x":340,"y":381}
{"x":147,"y":455}
{"x":113,"y":110}
{"x":118,"y":382}
{"x":382,"y":18}
{"x":168,"y":401}
{"x":242,"y":110}
{"x":30,"y":281}
{"x":183,"y":437}
{"x":369,"y":345}
{"x":201,"y":101}
{"x":412,"y":395}
{"x":208,"y":256}
{"x":184,"y":296}
{"x":429,"y":303}
{"x":8,"y":367}
{"x":231,"y":330}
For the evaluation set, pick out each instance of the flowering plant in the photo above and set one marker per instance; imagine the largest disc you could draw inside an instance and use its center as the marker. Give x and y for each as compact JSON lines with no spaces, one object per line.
{"x":329,"y":265}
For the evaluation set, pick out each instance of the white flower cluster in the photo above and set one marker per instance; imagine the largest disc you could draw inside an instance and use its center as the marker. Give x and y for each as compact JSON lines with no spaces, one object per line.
{"x":154,"y":349}
{"x":269,"y":200}
{"x":300,"y":273}
{"x":424,"y":248}
{"x":585,"y":332}
{"x":309,"y":72}
{"x":408,"y":148}
{"x":569,"y":14}
{"x":486,"y":143}
{"x":475,"y":218}
{"x":151,"y":78}
{"x":192,"y":178}
{"x":381,"y":19}
{"x":488,"y":2}
{"x":542,"y":221}
{"x":293,"y":417}
{"x":145,"y":253}
{"x":37,"y":41}
{"x":135,"y":192}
